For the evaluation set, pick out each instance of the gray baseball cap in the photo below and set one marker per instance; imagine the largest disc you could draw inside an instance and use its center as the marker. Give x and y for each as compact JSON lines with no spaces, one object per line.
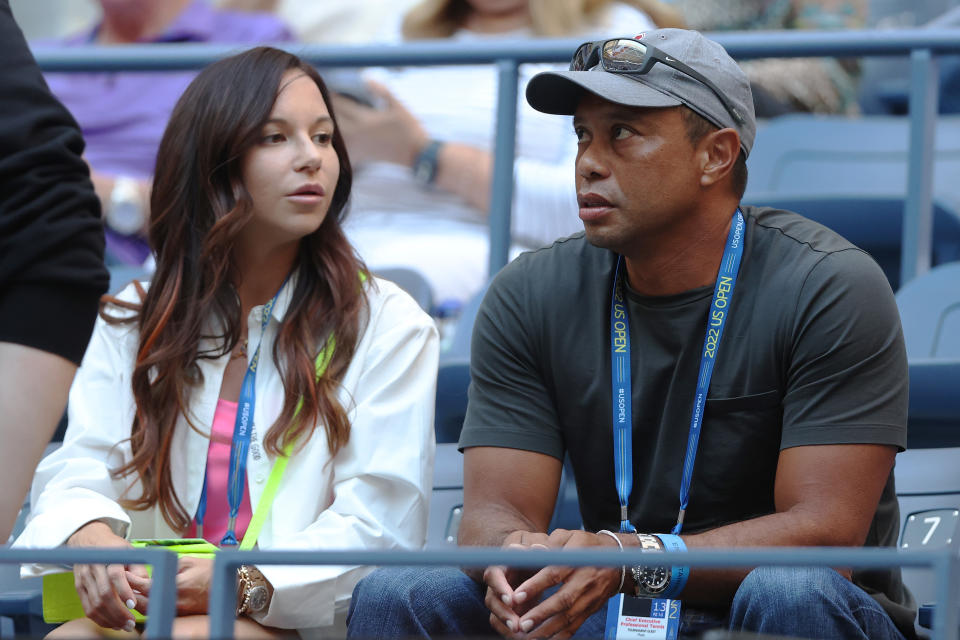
{"x":559,"y":92}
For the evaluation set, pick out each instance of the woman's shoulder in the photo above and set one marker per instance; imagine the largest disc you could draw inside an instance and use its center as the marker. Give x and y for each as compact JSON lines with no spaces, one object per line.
{"x":386,"y":298}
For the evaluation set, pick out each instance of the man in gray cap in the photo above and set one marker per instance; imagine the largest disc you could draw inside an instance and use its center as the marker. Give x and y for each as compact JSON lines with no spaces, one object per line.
{"x":730,"y":377}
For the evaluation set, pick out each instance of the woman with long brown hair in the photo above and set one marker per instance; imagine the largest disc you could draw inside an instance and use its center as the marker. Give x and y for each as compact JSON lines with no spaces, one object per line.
{"x":262,"y":337}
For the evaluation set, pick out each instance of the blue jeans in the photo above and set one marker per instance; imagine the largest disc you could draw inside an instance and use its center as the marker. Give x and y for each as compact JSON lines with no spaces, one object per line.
{"x":802,"y":602}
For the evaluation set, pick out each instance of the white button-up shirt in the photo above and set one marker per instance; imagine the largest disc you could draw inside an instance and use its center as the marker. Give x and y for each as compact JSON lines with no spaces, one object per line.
{"x":373,"y":494}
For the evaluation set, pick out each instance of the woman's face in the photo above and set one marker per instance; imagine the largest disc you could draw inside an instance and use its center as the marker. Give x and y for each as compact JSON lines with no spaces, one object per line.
{"x":495,"y":7}
{"x":291,"y":173}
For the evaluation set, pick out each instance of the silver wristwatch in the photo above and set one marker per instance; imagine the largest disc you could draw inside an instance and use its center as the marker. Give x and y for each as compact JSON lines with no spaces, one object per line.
{"x":126,"y":211}
{"x":649,"y":582}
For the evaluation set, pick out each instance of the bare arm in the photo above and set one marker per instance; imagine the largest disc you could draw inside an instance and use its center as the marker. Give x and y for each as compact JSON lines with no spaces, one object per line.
{"x":33,"y":394}
{"x":392,"y":134}
{"x":506,"y":490}
{"x":825,"y":495}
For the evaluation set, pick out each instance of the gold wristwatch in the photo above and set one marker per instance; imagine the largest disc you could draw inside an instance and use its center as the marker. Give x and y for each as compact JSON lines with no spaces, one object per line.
{"x":253,"y":596}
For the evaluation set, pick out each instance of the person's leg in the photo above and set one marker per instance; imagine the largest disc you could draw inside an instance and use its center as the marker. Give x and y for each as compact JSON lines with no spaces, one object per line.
{"x":407,"y":602}
{"x":808,"y":603}
{"x":198,"y":626}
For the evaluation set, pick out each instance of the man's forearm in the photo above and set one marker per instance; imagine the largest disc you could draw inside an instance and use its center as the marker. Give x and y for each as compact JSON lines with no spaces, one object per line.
{"x":786,"y":529}
{"x":489,"y":526}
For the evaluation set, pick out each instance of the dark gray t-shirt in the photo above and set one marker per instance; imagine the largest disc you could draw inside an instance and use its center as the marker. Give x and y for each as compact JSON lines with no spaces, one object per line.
{"x":812,"y":353}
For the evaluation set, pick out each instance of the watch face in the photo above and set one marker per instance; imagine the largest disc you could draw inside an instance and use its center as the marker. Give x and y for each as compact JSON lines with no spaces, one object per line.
{"x":258,"y":598}
{"x":655,"y":579}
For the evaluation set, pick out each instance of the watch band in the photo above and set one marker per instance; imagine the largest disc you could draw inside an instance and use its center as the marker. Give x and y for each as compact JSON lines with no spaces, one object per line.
{"x":427,"y":162}
{"x":649,"y":581}
{"x":252,"y":592}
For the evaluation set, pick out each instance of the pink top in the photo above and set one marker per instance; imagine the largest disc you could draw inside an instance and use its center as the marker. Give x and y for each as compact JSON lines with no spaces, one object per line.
{"x":218,"y":469}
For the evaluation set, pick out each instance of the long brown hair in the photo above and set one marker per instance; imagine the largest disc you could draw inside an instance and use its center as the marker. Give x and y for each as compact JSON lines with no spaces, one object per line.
{"x":198,"y":207}
{"x":548,"y":18}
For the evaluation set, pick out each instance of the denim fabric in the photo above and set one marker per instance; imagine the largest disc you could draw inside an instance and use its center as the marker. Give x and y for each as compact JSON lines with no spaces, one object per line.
{"x":808,"y":603}
{"x":437,"y":602}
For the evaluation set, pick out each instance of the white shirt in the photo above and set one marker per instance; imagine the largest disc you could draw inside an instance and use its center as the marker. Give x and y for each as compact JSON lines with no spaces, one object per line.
{"x":373,"y":494}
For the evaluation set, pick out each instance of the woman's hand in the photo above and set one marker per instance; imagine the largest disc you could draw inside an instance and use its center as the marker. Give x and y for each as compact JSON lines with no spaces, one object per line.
{"x":105,"y":592}
{"x":193,"y":585}
{"x":387,"y":134}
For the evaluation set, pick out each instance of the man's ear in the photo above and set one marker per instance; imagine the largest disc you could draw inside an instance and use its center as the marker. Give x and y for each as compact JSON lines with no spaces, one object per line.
{"x":720,"y":150}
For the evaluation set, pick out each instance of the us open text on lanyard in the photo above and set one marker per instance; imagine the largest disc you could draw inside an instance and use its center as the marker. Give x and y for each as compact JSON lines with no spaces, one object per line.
{"x":663,"y":621}
{"x":240,"y":445}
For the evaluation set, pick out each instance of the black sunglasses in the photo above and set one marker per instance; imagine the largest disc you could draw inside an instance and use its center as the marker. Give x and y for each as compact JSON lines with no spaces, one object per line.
{"x":632,"y":57}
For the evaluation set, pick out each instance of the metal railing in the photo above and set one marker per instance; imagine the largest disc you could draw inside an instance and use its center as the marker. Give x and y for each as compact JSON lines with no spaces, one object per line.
{"x":921,"y":45}
{"x":944,"y":564}
{"x":163,"y":601}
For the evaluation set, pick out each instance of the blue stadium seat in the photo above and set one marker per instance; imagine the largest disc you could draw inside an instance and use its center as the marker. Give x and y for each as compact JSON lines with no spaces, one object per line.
{"x":453,"y":380}
{"x":930,"y":313}
{"x":873,"y":223}
{"x":459,"y":348}
{"x":837,"y":155}
{"x":446,"y":502}
{"x":928,"y":488}
{"x":934,"y":412}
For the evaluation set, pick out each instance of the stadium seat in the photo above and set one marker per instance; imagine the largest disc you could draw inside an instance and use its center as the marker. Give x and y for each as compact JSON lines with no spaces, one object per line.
{"x":411,"y":281}
{"x":928,"y":488}
{"x":446,"y":502}
{"x":873,"y":223}
{"x":459,"y":348}
{"x":453,"y":380}
{"x":930,"y":313}
{"x":837,"y":155}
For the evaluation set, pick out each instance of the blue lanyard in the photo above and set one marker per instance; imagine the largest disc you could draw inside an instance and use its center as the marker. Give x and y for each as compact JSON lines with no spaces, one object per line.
{"x":241,"y":439}
{"x":621,"y":381}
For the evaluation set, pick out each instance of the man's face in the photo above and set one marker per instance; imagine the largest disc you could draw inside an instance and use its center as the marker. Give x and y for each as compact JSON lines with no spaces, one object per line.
{"x":637,"y":172}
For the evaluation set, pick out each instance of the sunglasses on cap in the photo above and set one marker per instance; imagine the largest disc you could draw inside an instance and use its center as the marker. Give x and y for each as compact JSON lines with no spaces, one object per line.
{"x":632,"y":57}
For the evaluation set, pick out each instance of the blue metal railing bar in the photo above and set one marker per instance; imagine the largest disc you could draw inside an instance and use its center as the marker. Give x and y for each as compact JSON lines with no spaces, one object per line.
{"x":917,"y":234}
{"x":163,"y":597}
{"x":742,"y":45}
{"x":921,"y":44}
{"x":945,"y":565}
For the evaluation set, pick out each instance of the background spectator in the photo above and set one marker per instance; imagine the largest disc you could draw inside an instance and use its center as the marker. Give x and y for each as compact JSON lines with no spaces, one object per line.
{"x":439,"y":121}
{"x":123,"y":114}
{"x":782,"y":85}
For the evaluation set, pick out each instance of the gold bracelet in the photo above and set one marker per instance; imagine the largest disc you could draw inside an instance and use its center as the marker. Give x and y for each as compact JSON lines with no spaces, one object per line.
{"x":623,"y":569}
{"x":244,"y":581}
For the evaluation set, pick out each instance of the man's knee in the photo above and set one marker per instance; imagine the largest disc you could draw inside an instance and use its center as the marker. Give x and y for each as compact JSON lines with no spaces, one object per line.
{"x":412,"y":593}
{"x":410,"y":586}
{"x":785,"y":588}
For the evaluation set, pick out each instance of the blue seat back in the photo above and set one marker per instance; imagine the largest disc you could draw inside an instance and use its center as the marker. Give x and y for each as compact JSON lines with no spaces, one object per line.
{"x":930,"y":313}
{"x":837,"y":155}
{"x":873,"y":223}
{"x":928,"y":488}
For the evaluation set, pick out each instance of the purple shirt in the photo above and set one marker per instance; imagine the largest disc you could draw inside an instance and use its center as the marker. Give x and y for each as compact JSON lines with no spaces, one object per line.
{"x":123,"y":114}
